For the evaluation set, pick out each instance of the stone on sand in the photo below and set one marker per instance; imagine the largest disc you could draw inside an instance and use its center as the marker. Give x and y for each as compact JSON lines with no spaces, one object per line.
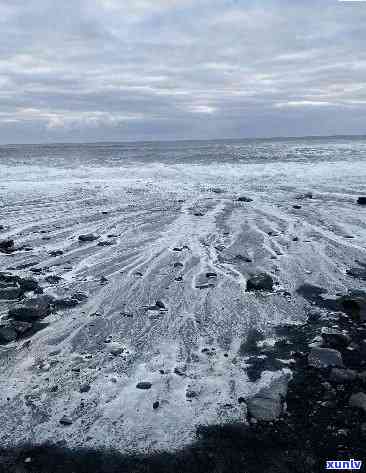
{"x":260,"y":282}
{"x":324,"y":357}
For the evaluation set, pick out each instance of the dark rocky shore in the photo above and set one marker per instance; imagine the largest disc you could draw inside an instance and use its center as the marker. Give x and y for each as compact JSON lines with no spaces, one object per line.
{"x":322,"y":417}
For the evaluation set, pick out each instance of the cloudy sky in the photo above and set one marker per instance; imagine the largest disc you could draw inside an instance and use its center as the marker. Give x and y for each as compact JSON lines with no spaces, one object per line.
{"x":91,"y":70}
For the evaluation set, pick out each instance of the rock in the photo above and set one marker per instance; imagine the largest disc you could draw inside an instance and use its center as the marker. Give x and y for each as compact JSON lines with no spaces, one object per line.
{"x":56,"y":253}
{"x":84,"y":388}
{"x":324,"y":357}
{"x":211,"y":275}
{"x":243,"y":258}
{"x":178,"y":265}
{"x":143,"y":385}
{"x":334,"y":338}
{"x":10,"y":293}
{"x":28,"y":284}
{"x":297,"y":207}
{"x":359,"y":273}
{"x":306,"y":195}
{"x":7,"y":244}
{"x":80,"y":296}
{"x":21,"y":327}
{"x":116,"y":348}
{"x":32,"y":309}
{"x":7,"y":334}
{"x":245,"y":199}
{"x":156,"y":405}
{"x":260,"y":282}
{"x":160,"y":304}
{"x":106,"y":243}
{"x":103,"y":280}
{"x":66,"y":420}
{"x":267,"y":404}
{"x":358,"y":400}
{"x":204,"y":286}
{"x":88,"y":237}
{"x":353,"y":304}
{"x":65,"y":303}
{"x":361,"y":201}
{"x":340,"y":376}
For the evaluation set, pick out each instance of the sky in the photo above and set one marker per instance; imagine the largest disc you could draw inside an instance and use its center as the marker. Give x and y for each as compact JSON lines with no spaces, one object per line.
{"x":121,"y":70}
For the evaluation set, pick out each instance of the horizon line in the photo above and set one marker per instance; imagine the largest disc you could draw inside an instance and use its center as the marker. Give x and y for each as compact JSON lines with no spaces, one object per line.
{"x":183,"y":140}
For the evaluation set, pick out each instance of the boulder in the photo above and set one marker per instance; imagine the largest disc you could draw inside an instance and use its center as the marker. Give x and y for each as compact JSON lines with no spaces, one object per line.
{"x":10,"y":293}
{"x":354,"y":304}
{"x":358,"y":400}
{"x":7,"y":244}
{"x":66,"y":420}
{"x":84,"y":388}
{"x":324,"y":357}
{"x":260,"y":282}
{"x":107,"y":242}
{"x":55,"y":253}
{"x":116,"y":348}
{"x":340,"y":376}
{"x":32,"y":309}
{"x":334,"y":338}
{"x":80,"y":296}
{"x":143,"y":385}
{"x":53,"y":279}
{"x":245,"y":199}
{"x":65,"y":303}
{"x":28,"y":284}
{"x":361,"y":201}
{"x":267,"y":404}
{"x":88,"y":237}
{"x":7,"y":334}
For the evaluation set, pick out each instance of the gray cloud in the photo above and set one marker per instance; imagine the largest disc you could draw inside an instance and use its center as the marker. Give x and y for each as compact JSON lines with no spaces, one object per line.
{"x":154,"y":69}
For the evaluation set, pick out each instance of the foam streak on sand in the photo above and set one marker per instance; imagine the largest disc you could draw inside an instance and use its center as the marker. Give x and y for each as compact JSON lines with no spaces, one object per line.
{"x":162,"y":226}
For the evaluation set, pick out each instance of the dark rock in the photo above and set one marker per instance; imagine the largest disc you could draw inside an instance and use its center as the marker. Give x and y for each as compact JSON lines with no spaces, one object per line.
{"x":160,"y":304}
{"x":66,"y":420}
{"x":324,"y":357}
{"x":361,"y":201}
{"x":340,"y":376}
{"x":178,"y":265}
{"x":335,"y":338}
{"x":211,"y":275}
{"x":88,"y":237}
{"x":10,"y":293}
{"x":106,"y":243}
{"x":32,"y":309}
{"x":204,"y":286}
{"x":143,"y":385}
{"x":65,"y":303}
{"x":260,"y":282}
{"x":179,"y":278}
{"x":297,"y":207}
{"x":80,"y":296}
{"x":28,"y":284}
{"x":21,"y":327}
{"x":358,"y":400}
{"x":243,"y":258}
{"x":176,"y":248}
{"x":84,"y":388}
{"x":353,"y":304}
{"x":7,"y":334}
{"x":267,"y":404}
{"x":56,"y":253}
{"x":156,"y":404}
{"x":7,"y":244}
{"x":306,"y":195}
{"x":245,"y":199}
{"x":250,"y":344}
{"x":359,"y":273}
